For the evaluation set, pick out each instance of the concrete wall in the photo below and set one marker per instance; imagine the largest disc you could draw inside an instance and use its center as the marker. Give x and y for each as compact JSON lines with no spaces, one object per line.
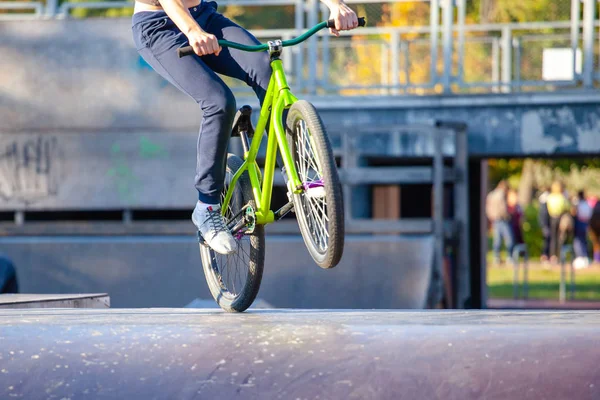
{"x":86,"y":76}
{"x":97,"y":170}
{"x":166,"y":271}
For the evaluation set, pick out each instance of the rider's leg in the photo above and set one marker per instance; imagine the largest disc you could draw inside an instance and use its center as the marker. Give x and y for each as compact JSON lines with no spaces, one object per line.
{"x":252,"y":68}
{"x":157,"y":39}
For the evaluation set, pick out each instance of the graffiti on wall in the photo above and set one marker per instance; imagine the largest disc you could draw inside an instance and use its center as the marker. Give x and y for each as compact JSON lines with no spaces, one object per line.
{"x":30,"y":168}
{"x":550,"y":130}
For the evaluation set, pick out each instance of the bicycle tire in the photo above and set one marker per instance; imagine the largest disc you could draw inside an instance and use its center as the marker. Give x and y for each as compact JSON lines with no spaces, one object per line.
{"x":332,"y":213}
{"x":214,"y":264}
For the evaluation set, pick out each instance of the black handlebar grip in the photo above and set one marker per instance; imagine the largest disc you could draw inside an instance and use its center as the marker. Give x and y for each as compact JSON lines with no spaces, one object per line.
{"x":185,"y":51}
{"x":361,"y":22}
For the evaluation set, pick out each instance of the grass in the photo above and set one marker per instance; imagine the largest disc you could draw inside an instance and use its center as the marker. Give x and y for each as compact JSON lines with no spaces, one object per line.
{"x":543,"y":283}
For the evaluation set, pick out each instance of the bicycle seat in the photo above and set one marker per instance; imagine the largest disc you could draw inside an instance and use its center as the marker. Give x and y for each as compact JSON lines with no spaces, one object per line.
{"x":242,"y":122}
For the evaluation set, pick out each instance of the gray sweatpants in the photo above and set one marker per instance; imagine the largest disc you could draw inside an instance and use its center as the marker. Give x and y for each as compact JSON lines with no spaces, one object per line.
{"x":157,"y":39}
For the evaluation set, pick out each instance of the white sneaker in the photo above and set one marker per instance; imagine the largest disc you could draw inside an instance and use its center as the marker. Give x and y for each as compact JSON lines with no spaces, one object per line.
{"x":212,"y":227}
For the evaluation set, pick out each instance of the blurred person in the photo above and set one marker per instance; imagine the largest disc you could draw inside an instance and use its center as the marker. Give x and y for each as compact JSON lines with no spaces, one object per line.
{"x":544,"y":221}
{"x":516,"y":216}
{"x":566,"y":229}
{"x":594,"y":229}
{"x":159,"y":28}
{"x":558,"y":205}
{"x":582,"y":214}
{"x":8,"y":276}
{"x":497,"y":212}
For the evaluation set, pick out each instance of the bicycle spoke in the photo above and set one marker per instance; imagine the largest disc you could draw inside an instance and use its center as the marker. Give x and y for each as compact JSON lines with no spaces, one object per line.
{"x":320,"y":213}
{"x":319,"y":218}
{"x":316,"y":225}
{"x":231,"y":268}
{"x":308,"y":166}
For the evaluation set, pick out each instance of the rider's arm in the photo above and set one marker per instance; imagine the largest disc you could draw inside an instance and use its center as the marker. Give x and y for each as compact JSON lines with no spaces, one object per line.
{"x":202,"y":42}
{"x":345,"y":18}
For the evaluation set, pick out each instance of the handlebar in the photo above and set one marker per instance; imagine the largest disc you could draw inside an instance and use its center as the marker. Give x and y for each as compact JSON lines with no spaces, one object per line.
{"x":188,"y":50}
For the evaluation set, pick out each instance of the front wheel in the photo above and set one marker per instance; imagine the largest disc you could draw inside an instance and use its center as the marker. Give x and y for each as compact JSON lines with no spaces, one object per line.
{"x":234,"y":279}
{"x":319,"y":208}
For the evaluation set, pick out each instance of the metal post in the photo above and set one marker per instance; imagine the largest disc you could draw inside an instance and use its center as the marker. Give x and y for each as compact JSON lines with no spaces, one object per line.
{"x":561,"y":290}
{"x":436,"y":289}
{"x":313,"y":15}
{"x":462,"y":11}
{"x":483,"y":237}
{"x":447,"y":17}
{"x":589,"y":10}
{"x":516,"y":44}
{"x":395,"y":60}
{"x":19,"y":218}
{"x":287,"y":59}
{"x":405,"y":50}
{"x":385,"y":69}
{"x":506,"y":58}
{"x":461,"y":189}
{"x":349,"y":160}
{"x":299,"y":15}
{"x":461,"y":209}
{"x":567,"y":251}
{"x":564,"y":251}
{"x":525,"y":274}
{"x":516,"y":278}
{"x":575,"y":19}
{"x":298,"y":51}
{"x":324,"y":50}
{"x":519,"y":250}
{"x":127,"y":217}
{"x":434,"y":24}
{"x":51,"y":6}
{"x":495,"y":64}
{"x":572,"y":294}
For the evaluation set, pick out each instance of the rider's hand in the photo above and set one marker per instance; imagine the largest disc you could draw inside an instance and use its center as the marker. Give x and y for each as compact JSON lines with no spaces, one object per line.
{"x":204,"y":43}
{"x":345,"y":18}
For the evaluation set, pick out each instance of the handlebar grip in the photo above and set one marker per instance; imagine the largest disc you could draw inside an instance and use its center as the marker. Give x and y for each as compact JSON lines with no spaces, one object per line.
{"x":185,"y":51}
{"x":361,"y":22}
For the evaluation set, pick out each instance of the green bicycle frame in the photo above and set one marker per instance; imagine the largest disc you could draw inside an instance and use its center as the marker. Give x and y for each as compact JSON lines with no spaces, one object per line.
{"x":278,"y":98}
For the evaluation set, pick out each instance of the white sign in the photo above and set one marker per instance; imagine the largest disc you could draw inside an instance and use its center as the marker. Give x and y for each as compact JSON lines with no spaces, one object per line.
{"x":558,"y":64}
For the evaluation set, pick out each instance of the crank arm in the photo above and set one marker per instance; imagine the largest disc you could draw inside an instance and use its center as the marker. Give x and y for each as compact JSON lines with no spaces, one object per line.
{"x":283,"y":211}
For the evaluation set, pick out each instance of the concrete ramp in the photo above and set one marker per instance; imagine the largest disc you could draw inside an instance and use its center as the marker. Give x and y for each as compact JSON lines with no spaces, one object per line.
{"x":383,"y":271}
{"x":23,"y":300}
{"x":286,"y":354}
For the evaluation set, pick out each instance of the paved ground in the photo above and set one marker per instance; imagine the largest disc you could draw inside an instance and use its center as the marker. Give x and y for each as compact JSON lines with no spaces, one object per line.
{"x":207,"y":354}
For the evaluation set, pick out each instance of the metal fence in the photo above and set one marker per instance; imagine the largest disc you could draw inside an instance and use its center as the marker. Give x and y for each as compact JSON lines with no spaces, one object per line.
{"x":410,"y":46}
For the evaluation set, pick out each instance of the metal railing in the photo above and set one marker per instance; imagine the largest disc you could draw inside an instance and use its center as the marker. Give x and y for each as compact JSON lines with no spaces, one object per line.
{"x":446,"y":56}
{"x":35,"y":6}
{"x":518,"y":251}
{"x":566,"y":252}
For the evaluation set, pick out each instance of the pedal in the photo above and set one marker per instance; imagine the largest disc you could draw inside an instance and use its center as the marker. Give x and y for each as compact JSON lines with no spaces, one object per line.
{"x":242,"y":122}
{"x":315,"y":193}
{"x":314,"y":190}
{"x":244,"y":222}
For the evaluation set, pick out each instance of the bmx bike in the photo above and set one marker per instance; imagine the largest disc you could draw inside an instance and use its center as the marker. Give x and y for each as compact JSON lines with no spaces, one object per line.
{"x":309,"y":169}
